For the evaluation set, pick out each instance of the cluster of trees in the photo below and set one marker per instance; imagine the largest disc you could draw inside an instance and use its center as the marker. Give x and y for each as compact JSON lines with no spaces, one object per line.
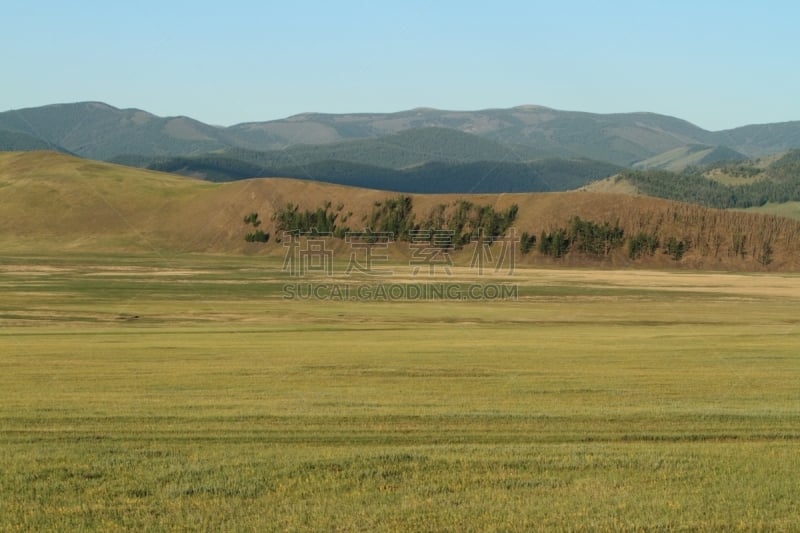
{"x":600,"y":239}
{"x":675,"y":248}
{"x":741,"y":170}
{"x":462,"y":220}
{"x":643,"y":243}
{"x":584,"y":236}
{"x":554,"y":243}
{"x":673,"y":232}
{"x":466,"y":220}
{"x":591,"y":238}
{"x":762,"y":251}
{"x":526,"y":242}
{"x":395,"y":215}
{"x":257,"y":235}
{"x":290,"y":218}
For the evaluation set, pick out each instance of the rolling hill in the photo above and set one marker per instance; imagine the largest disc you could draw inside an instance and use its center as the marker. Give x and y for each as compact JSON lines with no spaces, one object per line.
{"x":65,"y":203}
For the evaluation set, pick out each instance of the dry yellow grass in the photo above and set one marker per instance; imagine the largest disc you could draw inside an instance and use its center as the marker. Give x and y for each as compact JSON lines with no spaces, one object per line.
{"x":59,"y":202}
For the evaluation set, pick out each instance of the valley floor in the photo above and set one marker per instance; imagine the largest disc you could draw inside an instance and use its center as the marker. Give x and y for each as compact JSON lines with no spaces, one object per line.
{"x":187,"y":393}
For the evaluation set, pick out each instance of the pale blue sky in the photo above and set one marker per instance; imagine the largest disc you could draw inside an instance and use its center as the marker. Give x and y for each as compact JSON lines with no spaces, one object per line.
{"x":719,"y":64}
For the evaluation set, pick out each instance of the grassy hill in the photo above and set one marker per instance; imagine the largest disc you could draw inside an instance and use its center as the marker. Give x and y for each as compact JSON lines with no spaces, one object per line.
{"x":786,"y":209}
{"x":62,"y":202}
{"x":51,"y":200}
{"x":692,"y":155}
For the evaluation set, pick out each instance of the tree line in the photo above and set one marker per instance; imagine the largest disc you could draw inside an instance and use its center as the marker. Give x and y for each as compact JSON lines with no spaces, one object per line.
{"x":670,"y":230}
{"x":461,"y":221}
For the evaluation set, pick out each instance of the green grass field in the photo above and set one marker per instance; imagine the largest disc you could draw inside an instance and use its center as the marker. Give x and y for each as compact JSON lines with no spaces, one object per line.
{"x":151,"y":394}
{"x":787,"y":209}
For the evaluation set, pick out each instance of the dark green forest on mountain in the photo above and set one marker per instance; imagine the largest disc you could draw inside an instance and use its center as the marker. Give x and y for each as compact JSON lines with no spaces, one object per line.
{"x":777,"y":183}
{"x":436,"y":177}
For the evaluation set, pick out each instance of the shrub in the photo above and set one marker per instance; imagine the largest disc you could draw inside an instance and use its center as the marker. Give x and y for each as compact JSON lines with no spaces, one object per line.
{"x":526,"y":242}
{"x":257,"y":236}
{"x":642,"y":243}
{"x":676,"y":248}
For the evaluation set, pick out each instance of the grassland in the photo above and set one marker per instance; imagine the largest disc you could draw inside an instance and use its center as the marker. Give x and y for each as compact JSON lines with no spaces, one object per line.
{"x":788,"y":209}
{"x":153,"y":393}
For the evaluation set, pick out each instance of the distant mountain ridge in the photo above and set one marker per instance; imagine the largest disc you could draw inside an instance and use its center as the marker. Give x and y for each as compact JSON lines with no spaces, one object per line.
{"x":100,"y":131}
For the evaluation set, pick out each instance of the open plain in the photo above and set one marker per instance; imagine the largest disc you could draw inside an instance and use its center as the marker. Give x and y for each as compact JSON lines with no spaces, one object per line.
{"x":187,"y":393}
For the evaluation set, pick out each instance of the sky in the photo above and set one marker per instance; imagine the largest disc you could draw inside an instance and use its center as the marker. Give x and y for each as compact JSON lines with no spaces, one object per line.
{"x":718,"y":64}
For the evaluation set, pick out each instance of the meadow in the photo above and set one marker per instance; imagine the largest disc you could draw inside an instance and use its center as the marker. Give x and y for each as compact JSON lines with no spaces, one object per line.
{"x":145,"y":393}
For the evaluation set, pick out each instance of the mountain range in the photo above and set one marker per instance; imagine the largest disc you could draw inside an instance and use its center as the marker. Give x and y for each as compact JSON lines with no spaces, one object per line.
{"x":526,"y":148}
{"x":100,"y":131}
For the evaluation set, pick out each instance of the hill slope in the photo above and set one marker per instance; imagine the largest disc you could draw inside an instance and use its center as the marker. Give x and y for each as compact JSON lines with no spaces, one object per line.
{"x":14,"y":141}
{"x":691,"y":155}
{"x":758,"y":140}
{"x":62,"y":202}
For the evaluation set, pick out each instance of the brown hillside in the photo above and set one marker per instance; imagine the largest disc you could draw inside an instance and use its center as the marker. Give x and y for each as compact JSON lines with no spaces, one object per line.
{"x":60,"y":202}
